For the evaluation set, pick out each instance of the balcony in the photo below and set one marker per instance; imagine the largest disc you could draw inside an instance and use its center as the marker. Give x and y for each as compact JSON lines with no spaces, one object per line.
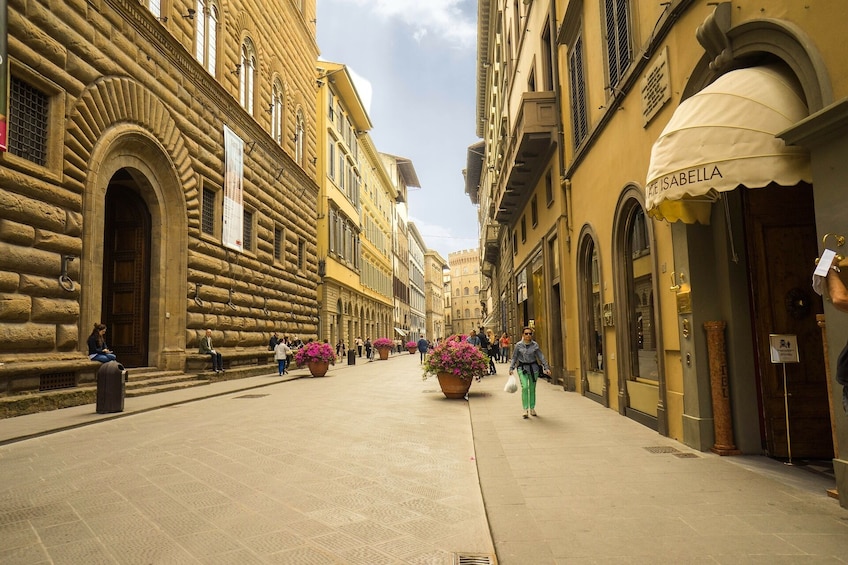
{"x":534,"y":143}
{"x":491,"y":242}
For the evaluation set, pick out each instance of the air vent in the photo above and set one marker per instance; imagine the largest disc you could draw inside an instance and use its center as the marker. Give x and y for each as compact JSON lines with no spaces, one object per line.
{"x":54,"y":381}
{"x":474,"y":559}
{"x":661,"y":449}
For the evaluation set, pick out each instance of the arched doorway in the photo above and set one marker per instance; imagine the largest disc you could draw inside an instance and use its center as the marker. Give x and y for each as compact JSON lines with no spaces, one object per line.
{"x":126,"y":270}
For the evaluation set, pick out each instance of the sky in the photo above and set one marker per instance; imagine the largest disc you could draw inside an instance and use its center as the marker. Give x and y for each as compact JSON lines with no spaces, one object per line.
{"x":414,"y":66}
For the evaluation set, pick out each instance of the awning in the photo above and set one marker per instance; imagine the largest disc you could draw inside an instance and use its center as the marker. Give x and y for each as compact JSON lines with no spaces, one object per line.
{"x":722,"y":137}
{"x":401,"y":332}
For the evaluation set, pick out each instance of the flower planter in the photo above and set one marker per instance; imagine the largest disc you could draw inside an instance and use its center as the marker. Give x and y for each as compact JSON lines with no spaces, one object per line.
{"x":384,"y":353}
{"x":412,"y":350}
{"x":318,"y":368}
{"x":453,"y":386}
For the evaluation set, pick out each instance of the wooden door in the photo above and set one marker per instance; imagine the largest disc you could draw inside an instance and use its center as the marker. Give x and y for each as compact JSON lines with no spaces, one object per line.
{"x":781,"y":242}
{"x":126,"y":273}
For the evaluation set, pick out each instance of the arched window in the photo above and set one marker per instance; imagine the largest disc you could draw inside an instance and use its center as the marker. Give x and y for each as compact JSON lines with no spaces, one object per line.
{"x":277,"y":107}
{"x":458,"y":313}
{"x":206,"y":34}
{"x":476,"y":290}
{"x":298,"y":137}
{"x":465,"y":291}
{"x":247,"y":75}
{"x":467,"y":313}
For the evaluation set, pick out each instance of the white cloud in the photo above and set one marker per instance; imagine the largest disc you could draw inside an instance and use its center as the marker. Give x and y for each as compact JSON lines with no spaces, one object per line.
{"x":441,"y":19}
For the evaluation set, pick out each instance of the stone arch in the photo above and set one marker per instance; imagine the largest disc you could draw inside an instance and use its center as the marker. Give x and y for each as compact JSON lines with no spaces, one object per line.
{"x":118,"y":124}
{"x":751,"y":41}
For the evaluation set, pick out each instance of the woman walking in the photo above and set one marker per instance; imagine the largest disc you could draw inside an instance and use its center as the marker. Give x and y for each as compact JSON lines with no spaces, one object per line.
{"x":282,"y":351}
{"x":504,"y":348}
{"x":528,"y":357}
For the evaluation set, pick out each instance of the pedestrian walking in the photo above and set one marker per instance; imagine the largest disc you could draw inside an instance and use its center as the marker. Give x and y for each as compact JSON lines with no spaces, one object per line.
{"x":281,"y":354}
{"x":504,"y":348}
{"x":368,"y":348}
{"x":528,"y":358}
{"x":423,"y":348}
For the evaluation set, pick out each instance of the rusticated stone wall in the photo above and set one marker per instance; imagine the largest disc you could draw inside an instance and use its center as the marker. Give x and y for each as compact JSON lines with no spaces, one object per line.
{"x":126,"y":93}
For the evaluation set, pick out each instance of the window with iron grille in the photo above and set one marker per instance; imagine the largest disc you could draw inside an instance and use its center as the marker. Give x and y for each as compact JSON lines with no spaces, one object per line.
{"x":207,"y":215}
{"x":577,"y":93}
{"x":617,"y":31}
{"x":278,"y":244}
{"x":28,"y":118}
{"x":248,"y":230}
{"x":301,"y":254}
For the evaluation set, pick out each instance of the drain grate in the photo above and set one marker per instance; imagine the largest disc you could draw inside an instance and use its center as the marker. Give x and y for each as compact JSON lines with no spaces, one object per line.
{"x":687,"y":455}
{"x":661,"y":449}
{"x":251,"y":396}
{"x":474,"y":559}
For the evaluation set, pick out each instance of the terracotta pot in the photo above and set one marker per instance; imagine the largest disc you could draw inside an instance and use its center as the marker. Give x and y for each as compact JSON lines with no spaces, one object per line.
{"x":412,"y":350}
{"x":453,"y":386}
{"x":318,"y":368}
{"x":384,"y":353}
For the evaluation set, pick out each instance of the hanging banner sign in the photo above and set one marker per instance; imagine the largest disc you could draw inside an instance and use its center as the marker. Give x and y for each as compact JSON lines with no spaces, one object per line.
{"x":233,"y":225}
{"x":783,"y":348}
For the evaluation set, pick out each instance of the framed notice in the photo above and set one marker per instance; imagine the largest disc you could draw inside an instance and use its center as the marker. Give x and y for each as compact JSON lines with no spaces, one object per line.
{"x":783,"y":348}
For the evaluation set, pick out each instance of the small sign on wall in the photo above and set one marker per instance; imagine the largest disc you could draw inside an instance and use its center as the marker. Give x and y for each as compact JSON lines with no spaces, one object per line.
{"x":783,"y":348}
{"x":655,"y":88}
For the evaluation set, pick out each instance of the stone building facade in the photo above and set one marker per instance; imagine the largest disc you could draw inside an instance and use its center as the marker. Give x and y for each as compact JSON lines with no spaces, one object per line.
{"x":465,"y":282}
{"x":159,"y":179}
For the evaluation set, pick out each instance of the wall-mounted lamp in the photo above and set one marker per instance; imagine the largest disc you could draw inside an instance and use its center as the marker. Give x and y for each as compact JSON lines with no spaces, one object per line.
{"x":265,"y":305}
{"x":319,"y":82}
{"x":236,"y":70}
{"x":251,"y":144}
{"x":314,"y":161}
{"x":189,"y":15}
{"x":270,"y":108}
{"x":197,"y":299}
{"x":65,"y":281}
{"x":322,"y":267}
{"x":279,"y":173}
{"x":163,"y":19}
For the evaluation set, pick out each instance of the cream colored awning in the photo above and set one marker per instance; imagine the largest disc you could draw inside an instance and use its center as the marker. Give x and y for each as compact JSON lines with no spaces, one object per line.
{"x":724,"y":137}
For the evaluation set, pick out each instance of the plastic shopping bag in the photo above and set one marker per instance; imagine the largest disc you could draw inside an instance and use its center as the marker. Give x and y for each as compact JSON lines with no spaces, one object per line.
{"x":511,"y":385}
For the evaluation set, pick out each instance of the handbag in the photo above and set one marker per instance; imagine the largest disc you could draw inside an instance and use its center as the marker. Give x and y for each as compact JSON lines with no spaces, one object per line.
{"x":511,"y":385}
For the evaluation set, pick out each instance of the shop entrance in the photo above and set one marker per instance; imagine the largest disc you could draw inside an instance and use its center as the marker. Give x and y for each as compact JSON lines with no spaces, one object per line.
{"x":126,"y":271}
{"x":781,"y":242}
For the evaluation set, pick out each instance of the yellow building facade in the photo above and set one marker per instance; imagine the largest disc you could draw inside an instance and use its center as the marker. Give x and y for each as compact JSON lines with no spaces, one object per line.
{"x":698,"y":179}
{"x":354,"y":217}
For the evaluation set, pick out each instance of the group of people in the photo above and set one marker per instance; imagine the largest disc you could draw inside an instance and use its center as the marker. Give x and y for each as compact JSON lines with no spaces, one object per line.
{"x":360,"y":345}
{"x":496,"y":348}
{"x":283,"y":349}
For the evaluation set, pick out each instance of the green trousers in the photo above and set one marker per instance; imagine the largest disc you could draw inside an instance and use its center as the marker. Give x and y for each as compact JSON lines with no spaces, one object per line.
{"x":528,"y":389}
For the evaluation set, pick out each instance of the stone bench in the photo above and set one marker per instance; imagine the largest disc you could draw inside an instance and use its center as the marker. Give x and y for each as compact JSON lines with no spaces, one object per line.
{"x":46,"y":374}
{"x":232,"y":358}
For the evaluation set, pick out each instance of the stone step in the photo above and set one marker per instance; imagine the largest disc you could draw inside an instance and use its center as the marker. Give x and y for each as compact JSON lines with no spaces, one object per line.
{"x":153,"y":387}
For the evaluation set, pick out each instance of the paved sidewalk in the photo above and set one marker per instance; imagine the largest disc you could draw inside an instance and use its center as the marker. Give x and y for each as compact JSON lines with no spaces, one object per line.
{"x":355,"y":468}
{"x":582,"y":484}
